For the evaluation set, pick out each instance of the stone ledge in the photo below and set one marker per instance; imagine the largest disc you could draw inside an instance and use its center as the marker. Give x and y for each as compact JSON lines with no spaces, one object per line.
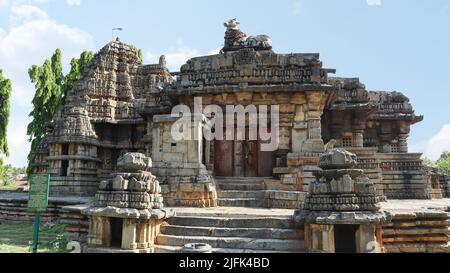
{"x":129,"y":213}
{"x":336,"y":218}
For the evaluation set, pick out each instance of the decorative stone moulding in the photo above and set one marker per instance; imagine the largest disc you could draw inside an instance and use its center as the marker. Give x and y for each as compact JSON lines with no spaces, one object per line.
{"x":128,"y":209}
{"x":341,"y":199}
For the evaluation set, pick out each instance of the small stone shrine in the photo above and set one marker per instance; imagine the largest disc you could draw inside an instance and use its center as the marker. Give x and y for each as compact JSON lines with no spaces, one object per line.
{"x":341,"y":213}
{"x":128,"y":209}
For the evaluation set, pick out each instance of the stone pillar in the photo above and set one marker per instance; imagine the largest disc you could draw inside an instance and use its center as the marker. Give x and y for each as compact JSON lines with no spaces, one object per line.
{"x":319,"y":238}
{"x":358,"y":127}
{"x":328,"y":238}
{"x":129,"y":234}
{"x":314,"y":112}
{"x":95,"y":237}
{"x":358,"y":138}
{"x":300,"y":129}
{"x":403,"y":143}
{"x":366,"y":241}
{"x":105,"y":231}
{"x":142,"y":239}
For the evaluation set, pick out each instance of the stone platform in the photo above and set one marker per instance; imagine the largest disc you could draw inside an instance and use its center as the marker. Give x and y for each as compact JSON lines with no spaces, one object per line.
{"x":418,"y":226}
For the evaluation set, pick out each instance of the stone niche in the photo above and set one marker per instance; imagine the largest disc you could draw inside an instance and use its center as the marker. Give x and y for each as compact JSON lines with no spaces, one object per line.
{"x":341,"y":213}
{"x":179,"y":165}
{"x":128,"y":210}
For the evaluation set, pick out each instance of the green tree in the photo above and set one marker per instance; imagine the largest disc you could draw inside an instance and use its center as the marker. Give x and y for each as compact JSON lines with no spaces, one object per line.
{"x":47,"y":79}
{"x":5,"y":96}
{"x":428,"y":162}
{"x":139,"y":52}
{"x":78,"y":66}
{"x":51,"y":88}
{"x":443,"y":164}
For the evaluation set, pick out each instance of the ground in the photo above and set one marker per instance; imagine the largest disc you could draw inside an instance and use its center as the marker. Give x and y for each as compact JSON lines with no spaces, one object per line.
{"x":391,"y":205}
{"x":15,"y":185}
{"x":17,"y":238}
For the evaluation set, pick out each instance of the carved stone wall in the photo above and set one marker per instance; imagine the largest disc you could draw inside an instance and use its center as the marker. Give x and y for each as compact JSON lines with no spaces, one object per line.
{"x":178,"y":164}
{"x":112,"y":109}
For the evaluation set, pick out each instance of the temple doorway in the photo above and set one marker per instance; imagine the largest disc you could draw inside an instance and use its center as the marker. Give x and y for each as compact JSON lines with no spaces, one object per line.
{"x":116,"y":225}
{"x":242,"y":159}
{"x":345,"y":238}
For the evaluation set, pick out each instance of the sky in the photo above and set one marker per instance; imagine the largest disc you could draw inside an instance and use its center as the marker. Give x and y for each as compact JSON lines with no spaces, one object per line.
{"x":391,"y":45}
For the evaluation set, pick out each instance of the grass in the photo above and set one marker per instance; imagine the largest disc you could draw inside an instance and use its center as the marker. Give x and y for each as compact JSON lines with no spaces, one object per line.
{"x":17,"y":238}
{"x":9,"y":187}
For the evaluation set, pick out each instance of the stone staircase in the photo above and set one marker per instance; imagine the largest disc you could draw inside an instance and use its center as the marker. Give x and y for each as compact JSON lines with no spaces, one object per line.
{"x":232,"y":233}
{"x":240,"y":191}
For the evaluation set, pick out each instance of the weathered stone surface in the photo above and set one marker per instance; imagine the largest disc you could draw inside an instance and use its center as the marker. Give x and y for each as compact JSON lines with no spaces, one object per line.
{"x":338,"y":159}
{"x":134,"y":162}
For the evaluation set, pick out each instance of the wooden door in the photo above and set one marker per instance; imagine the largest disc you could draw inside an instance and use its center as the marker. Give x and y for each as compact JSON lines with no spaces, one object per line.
{"x":266,"y":162}
{"x":223,"y":158}
{"x":266,"y":159}
{"x":250,"y":158}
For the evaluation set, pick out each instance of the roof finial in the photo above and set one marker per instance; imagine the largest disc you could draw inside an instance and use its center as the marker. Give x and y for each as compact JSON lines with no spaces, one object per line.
{"x":232,"y":24}
{"x":113,"y":30}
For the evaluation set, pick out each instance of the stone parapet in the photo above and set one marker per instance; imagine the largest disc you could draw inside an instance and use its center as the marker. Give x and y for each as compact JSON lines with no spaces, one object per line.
{"x":420,"y":231}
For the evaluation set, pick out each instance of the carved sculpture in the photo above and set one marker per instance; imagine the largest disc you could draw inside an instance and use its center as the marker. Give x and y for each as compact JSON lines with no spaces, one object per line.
{"x":330,"y":145}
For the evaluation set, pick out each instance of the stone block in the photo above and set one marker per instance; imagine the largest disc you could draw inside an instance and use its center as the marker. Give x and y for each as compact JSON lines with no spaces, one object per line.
{"x":134,"y":162}
{"x":119,"y":184}
{"x":338,"y":159}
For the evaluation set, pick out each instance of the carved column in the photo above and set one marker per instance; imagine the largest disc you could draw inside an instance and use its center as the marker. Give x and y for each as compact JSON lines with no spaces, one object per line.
{"x":300,"y":127}
{"x":358,"y":138}
{"x":314,"y":143}
{"x":129,"y":234}
{"x":358,"y":127}
{"x":319,"y":238}
{"x":142,"y":242}
{"x":403,"y":143}
{"x":366,"y":241}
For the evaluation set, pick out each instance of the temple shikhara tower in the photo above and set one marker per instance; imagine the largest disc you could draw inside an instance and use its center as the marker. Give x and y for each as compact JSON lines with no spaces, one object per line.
{"x":121,"y":106}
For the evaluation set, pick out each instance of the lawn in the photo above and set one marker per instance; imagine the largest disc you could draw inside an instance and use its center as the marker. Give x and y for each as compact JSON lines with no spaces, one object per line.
{"x":10,"y":187}
{"x":17,"y":238}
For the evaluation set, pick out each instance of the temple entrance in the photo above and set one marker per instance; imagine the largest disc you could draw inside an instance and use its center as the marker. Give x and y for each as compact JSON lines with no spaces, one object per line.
{"x":116,"y":225}
{"x":223,"y":158}
{"x":345,"y":238}
{"x":242,"y":159}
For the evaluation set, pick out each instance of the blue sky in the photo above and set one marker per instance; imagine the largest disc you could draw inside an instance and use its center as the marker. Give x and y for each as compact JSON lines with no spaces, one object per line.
{"x":400,"y":45}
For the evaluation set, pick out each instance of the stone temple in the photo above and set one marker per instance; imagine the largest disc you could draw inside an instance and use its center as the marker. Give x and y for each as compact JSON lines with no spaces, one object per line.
{"x":122,"y":106}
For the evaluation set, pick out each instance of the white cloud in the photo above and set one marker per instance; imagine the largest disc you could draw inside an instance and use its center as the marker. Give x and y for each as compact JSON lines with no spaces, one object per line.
{"x":374,"y":2}
{"x":26,"y":13}
{"x":178,"y":55}
{"x":19,"y":146}
{"x":31,"y":38}
{"x":73,"y":2}
{"x":32,"y":42}
{"x":7,"y":3}
{"x":215,"y":51}
{"x":437,"y":144}
{"x":175,"y":58}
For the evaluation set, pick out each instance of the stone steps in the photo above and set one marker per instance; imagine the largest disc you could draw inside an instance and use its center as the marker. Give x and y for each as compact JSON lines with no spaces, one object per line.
{"x":240,"y":202}
{"x":241,"y":191}
{"x":177,"y":249}
{"x":232,"y":230}
{"x":240,"y":179}
{"x":241,"y":194}
{"x":262,"y":233}
{"x":223,"y":222}
{"x":233,"y":242}
{"x":240,"y":186}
